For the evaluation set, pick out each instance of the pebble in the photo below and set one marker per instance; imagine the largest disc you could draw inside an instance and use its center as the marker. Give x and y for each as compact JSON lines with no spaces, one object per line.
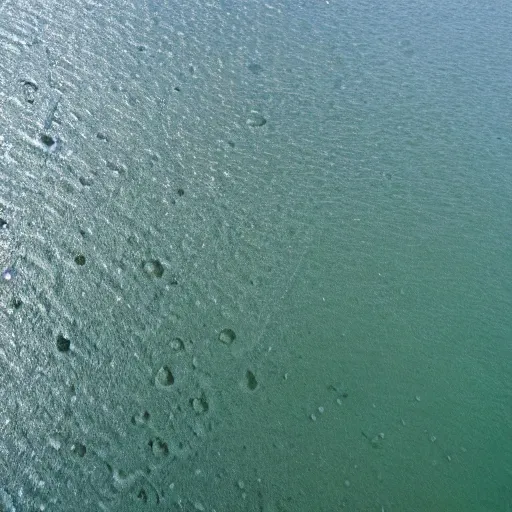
{"x":375,"y":441}
{"x":255,"y":119}
{"x":8,"y":274}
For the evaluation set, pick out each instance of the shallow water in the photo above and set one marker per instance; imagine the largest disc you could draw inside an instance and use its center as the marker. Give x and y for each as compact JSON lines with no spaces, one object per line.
{"x":261,"y":253}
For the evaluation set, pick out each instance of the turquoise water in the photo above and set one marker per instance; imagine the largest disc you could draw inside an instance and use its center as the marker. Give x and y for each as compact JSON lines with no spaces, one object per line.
{"x":262,"y":255}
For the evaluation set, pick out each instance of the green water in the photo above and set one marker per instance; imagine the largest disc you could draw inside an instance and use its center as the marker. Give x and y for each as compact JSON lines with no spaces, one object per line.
{"x":266,"y":265}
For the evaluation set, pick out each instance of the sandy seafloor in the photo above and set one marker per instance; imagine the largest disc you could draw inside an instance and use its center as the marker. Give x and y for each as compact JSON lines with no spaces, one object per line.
{"x":260,"y":256}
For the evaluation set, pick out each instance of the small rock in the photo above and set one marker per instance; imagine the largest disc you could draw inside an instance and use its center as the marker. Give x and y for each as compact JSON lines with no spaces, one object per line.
{"x":255,"y":120}
{"x":153,"y":268}
{"x":227,"y":336}
{"x":8,"y":274}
